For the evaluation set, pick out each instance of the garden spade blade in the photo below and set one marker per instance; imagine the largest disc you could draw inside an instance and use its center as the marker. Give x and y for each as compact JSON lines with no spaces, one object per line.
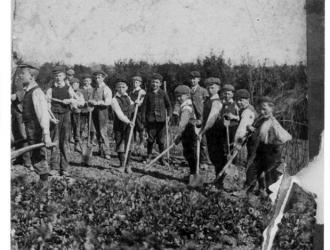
{"x":195,"y":180}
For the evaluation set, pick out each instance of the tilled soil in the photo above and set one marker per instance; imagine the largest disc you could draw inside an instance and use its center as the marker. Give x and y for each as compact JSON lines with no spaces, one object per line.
{"x":99,"y":207}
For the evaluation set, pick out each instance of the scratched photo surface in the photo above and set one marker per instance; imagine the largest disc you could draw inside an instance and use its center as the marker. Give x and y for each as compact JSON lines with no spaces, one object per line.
{"x":167,"y":124}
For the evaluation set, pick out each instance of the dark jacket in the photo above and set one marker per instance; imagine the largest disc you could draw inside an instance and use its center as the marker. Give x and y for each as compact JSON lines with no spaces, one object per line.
{"x":154,"y":106}
{"x":198,"y":97}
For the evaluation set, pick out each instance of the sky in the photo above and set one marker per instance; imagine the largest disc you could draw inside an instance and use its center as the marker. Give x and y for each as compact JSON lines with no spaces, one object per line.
{"x":157,"y":31}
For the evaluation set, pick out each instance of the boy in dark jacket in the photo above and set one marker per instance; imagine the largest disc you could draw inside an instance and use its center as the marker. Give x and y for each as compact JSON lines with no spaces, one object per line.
{"x":271,"y":138}
{"x":154,"y":115}
{"x":211,"y":125}
{"x":198,"y":96}
{"x":139,"y":126}
{"x":229,"y":117}
{"x":187,"y":120}
{"x":123,"y":107}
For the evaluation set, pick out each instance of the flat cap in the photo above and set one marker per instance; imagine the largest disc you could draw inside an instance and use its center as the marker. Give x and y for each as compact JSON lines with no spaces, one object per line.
{"x":73,"y":80}
{"x":86,"y":76}
{"x":212,"y":80}
{"x":182,"y":90}
{"x":100,"y":72}
{"x":70,"y":72}
{"x":59,"y":69}
{"x":228,"y":87}
{"x":29,"y":65}
{"x":194,"y":74}
{"x":265,"y":99}
{"x":120,"y":80}
{"x":157,"y":76}
{"x":137,"y":78}
{"x":242,"y":94}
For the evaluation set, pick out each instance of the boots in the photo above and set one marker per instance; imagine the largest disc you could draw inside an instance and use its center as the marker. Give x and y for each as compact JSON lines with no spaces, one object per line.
{"x":121,"y":157}
{"x":149,"y":152}
{"x":162,"y":160}
{"x":127,"y":167}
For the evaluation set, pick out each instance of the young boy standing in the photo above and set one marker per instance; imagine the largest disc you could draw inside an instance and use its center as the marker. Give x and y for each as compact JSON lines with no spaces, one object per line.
{"x":155,"y":104}
{"x":247,"y":115}
{"x":60,"y":96}
{"x":123,"y":107}
{"x":198,"y":96}
{"x":75,"y":114}
{"x":139,"y":127}
{"x":271,"y":137}
{"x":101,"y":100}
{"x":87,"y":92}
{"x":229,"y":116}
{"x":36,"y":118}
{"x":211,"y":124}
{"x":186,"y":132}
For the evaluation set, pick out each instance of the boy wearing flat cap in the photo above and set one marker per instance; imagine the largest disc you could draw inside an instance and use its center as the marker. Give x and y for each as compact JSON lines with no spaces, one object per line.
{"x":123,"y":107}
{"x":101,"y":100}
{"x":155,"y":104}
{"x":247,"y":115}
{"x":75,"y":113}
{"x":271,"y":137}
{"x":69,"y":76}
{"x":187,"y":120}
{"x":229,"y":116}
{"x":139,"y":127}
{"x":198,"y":97}
{"x":87,"y":92}
{"x":17,"y":124}
{"x":35,"y":118}
{"x":60,"y":96}
{"x":211,"y":125}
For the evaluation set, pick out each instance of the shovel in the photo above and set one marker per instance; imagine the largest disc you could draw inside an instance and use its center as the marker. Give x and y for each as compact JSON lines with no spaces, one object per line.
{"x":196,"y":180}
{"x":18,"y":152}
{"x":226,"y":123}
{"x":160,"y":155}
{"x":87,"y":154}
{"x":128,"y":168}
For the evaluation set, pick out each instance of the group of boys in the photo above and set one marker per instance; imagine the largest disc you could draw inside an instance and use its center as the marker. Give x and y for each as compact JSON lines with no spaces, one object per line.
{"x":228,"y":125}
{"x":211,"y":116}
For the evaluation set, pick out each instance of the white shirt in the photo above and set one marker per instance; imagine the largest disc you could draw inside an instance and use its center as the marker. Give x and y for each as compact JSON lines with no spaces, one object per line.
{"x":271,"y":132}
{"x":107,"y":93}
{"x":247,"y":118}
{"x":116,"y":108}
{"x":40,"y":107}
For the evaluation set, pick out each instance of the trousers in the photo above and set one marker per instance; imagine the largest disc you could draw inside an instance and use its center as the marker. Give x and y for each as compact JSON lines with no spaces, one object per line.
{"x":38,"y":156}
{"x":60,"y":134}
{"x":100,"y":117}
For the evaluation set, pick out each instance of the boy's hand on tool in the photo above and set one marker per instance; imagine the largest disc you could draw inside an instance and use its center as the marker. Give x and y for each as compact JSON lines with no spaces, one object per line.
{"x":54,"y":120}
{"x":237,"y":146}
{"x":131,"y":123}
{"x":92,"y":102}
{"x":177,"y":139}
{"x":47,"y":140}
{"x":67,"y":101}
{"x":250,"y":128}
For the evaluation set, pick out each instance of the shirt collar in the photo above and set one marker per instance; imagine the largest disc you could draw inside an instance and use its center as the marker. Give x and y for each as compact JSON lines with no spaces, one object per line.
{"x":194,"y":88}
{"x":229,"y":102}
{"x":137,"y":89}
{"x":216,"y":96}
{"x":62,"y":84}
{"x":31,"y":86}
{"x":186,"y":102}
{"x":119,"y":95}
